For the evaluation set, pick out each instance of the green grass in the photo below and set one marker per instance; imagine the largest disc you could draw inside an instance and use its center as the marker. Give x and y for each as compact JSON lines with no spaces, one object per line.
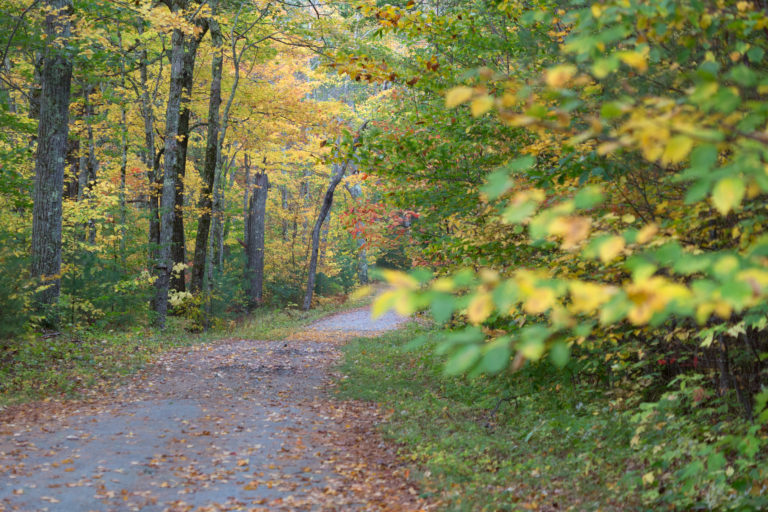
{"x":73,"y":364}
{"x":553,"y":445}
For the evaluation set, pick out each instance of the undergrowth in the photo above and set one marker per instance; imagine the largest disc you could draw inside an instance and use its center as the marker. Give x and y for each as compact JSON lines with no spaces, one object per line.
{"x":539,"y":439}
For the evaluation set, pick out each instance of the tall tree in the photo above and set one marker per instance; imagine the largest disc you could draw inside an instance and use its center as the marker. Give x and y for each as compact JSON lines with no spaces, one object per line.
{"x":178,"y":247}
{"x":52,"y":134}
{"x":254,"y":228}
{"x":356,"y":192}
{"x":218,"y":123}
{"x":211,"y":152}
{"x":164,"y":261}
{"x":341,"y":170}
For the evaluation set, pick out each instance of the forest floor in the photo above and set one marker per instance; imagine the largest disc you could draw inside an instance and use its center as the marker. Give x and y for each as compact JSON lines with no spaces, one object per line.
{"x":236,"y":424}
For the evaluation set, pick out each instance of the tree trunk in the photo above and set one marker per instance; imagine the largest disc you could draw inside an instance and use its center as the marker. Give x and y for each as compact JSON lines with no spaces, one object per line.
{"x":218,"y":220}
{"x":254,"y":251}
{"x":168,"y":201}
{"x":362,"y":255}
{"x":151,"y":160}
{"x":52,"y":134}
{"x":218,"y":123}
{"x":178,"y":251}
{"x":123,"y":171}
{"x":123,"y":154}
{"x":205,"y":204}
{"x":91,"y":164}
{"x":324,"y":209}
{"x":246,"y":196}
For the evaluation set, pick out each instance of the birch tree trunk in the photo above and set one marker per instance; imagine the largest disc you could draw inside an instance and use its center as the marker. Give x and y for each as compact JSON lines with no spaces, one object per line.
{"x":168,"y":200}
{"x":52,"y":134}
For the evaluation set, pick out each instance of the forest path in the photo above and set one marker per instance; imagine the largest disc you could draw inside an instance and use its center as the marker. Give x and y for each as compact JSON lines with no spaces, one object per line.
{"x":231,"y":425}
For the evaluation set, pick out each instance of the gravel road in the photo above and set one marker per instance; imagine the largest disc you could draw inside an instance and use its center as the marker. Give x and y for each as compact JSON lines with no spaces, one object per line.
{"x":233,"y":425}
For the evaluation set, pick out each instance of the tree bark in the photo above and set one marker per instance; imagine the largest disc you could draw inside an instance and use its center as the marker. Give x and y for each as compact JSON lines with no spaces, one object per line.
{"x":52,"y":134}
{"x":257,"y":214}
{"x":362,"y":255}
{"x":151,"y":160}
{"x":89,"y":162}
{"x":246,"y":197}
{"x":324,"y":209}
{"x":178,"y":248}
{"x":168,"y":200}
{"x":214,"y":148}
{"x":205,"y":204}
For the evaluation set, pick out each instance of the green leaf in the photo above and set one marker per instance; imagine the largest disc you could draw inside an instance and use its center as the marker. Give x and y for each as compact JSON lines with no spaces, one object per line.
{"x":463,"y":337}
{"x":691,"y":470}
{"x":462,"y":360}
{"x":518,"y":213}
{"x":497,"y":184}
{"x":532,"y":339}
{"x":559,"y":354}
{"x":415,"y":343}
{"x":697,"y":192}
{"x":755,"y":55}
{"x":442,"y":307}
{"x":715,"y":462}
{"x":496,"y":356}
{"x":604,"y":67}
{"x":704,"y":156}
{"x":743,"y":76}
{"x":588,"y":197}
{"x":612,"y":110}
{"x":521,"y":164}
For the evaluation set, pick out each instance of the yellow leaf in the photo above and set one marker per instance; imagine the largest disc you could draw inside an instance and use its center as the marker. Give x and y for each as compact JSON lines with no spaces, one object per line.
{"x":400,"y":279}
{"x":635,"y":60}
{"x":481,"y":105}
{"x":533,"y":351}
{"x":648,"y":478}
{"x":539,"y":301}
{"x":405,"y":303}
{"x":443,"y":284}
{"x":361,"y":292}
{"x":383,"y":303}
{"x":677,"y":149}
{"x":587,"y":297}
{"x":489,"y":276}
{"x":572,"y":229}
{"x":611,"y":248}
{"x":558,"y":76}
{"x":727,"y":194}
{"x":458,"y":95}
{"x":480,"y":308}
{"x":647,"y":233}
{"x":628,"y":218}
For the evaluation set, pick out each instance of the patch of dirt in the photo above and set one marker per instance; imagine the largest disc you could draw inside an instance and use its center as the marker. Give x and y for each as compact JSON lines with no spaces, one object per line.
{"x":233,"y":425}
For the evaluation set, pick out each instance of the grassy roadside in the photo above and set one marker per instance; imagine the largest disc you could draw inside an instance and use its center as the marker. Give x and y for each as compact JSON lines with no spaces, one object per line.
{"x":552,"y":447}
{"x":72,"y":365}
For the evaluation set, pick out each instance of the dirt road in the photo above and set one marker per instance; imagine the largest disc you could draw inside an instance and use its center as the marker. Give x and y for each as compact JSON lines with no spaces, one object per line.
{"x":233,"y":425}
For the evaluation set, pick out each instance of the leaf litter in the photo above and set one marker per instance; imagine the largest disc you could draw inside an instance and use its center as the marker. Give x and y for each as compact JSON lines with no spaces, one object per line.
{"x":232,"y":425}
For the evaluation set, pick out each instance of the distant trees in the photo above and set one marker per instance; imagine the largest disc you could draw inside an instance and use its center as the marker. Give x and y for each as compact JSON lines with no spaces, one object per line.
{"x":117,"y":217}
